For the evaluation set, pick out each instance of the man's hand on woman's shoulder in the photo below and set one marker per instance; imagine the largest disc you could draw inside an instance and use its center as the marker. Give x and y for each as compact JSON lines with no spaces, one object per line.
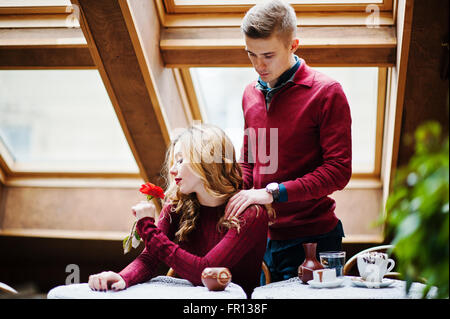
{"x":240,"y":201}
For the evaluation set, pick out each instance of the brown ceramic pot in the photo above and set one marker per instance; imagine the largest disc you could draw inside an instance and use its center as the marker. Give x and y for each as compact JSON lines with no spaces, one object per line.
{"x":305,"y":270}
{"x":216,"y":278}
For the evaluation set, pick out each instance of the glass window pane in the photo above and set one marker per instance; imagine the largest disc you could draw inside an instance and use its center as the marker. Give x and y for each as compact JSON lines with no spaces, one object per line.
{"x":361,"y":88}
{"x":219,"y":91}
{"x":62,"y":118}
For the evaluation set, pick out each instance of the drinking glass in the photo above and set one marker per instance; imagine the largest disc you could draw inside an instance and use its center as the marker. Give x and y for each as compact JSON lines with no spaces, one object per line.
{"x":333,"y":259}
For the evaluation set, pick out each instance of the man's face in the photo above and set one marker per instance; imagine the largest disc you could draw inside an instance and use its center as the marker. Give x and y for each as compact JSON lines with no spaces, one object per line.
{"x":270,"y":57}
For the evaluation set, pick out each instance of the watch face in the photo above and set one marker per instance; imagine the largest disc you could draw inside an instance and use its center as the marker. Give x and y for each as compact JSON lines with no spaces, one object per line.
{"x":272,"y":187}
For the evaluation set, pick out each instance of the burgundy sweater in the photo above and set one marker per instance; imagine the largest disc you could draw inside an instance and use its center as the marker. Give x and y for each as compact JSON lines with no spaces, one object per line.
{"x":242,"y":252}
{"x":310,"y":155}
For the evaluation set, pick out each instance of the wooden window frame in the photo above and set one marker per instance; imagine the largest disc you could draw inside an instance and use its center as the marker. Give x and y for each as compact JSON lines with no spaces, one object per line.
{"x":369,"y":183}
{"x":307,"y":15}
{"x":39,"y":16}
{"x":44,"y":34}
{"x":181,"y":74}
{"x":185,"y":81}
{"x":199,"y":6}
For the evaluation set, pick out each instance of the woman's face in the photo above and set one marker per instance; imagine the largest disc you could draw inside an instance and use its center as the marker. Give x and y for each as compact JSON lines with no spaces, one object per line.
{"x":187,"y":181}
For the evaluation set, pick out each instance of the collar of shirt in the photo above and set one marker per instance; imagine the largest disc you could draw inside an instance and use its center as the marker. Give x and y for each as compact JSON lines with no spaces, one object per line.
{"x":282,"y":80}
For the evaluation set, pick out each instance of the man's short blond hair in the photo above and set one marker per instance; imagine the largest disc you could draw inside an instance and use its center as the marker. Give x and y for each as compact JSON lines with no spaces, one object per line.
{"x":273,"y":17}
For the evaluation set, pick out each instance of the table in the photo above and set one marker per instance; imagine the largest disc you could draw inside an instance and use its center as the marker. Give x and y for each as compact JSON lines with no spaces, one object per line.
{"x":293,"y":288}
{"x":161,"y":287}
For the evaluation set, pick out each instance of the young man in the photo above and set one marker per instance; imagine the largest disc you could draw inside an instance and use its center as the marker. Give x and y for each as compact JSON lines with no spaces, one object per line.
{"x":304,"y":116}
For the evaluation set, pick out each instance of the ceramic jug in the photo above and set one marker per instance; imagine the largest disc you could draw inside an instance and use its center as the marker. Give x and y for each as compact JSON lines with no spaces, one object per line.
{"x":306,"y":269}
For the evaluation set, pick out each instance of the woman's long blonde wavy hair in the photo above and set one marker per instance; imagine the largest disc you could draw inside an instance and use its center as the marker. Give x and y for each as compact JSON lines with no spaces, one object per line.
{"x":211,"y":155}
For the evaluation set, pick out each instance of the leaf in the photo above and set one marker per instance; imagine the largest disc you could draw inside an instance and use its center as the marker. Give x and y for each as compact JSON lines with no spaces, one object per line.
{"x":135,"y":242}
{"x":128,"y":241}
{"x":126,"y":244}
{"x":408,"y":226}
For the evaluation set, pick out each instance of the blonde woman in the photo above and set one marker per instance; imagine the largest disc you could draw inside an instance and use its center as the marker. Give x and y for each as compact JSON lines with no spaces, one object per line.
{"x":192,"y":232}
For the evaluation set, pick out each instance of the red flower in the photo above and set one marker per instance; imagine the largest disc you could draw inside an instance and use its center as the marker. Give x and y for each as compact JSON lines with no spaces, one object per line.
{"x":152,"y":190}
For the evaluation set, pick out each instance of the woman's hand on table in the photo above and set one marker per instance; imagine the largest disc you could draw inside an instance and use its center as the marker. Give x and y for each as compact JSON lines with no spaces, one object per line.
{"x":106,"y":280}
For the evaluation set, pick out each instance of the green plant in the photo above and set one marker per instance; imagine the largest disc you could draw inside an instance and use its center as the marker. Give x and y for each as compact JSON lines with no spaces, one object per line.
{"x":418,"y":212}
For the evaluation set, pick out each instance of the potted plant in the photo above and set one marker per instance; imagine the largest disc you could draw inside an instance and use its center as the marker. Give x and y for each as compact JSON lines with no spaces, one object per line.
{"x":417,"y":216}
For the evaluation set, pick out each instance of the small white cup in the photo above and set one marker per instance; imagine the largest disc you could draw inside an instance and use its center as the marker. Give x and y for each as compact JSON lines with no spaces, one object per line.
{"x":324,"y":275}
{"x":373,"y":266}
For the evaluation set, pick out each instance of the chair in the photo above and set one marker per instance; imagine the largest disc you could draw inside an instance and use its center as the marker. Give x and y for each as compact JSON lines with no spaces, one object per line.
{"x":7,"y":289}
{"x":265,"y":269}
{"x":351,"y":262}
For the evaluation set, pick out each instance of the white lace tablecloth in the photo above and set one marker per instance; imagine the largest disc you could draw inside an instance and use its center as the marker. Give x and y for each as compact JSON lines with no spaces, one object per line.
{"x":294,"y":289}
{"x":161,"y":287}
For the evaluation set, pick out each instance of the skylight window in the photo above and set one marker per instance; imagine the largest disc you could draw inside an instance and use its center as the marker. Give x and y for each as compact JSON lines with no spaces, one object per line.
{"x":61,"y":120}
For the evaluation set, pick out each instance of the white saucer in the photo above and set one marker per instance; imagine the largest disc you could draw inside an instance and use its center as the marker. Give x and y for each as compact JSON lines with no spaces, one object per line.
{"x":328,"y":284}
{"x":359,"y":282}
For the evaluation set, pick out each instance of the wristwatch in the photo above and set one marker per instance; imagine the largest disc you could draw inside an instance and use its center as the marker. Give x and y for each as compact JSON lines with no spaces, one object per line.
{"x":274,"y":189}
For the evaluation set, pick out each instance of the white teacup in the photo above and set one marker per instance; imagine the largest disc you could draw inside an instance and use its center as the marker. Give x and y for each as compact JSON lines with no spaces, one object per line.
{"x":373,"y":266}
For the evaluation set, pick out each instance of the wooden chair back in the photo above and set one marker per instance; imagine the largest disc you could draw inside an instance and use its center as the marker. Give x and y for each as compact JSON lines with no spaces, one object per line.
{"x":352,"y":261}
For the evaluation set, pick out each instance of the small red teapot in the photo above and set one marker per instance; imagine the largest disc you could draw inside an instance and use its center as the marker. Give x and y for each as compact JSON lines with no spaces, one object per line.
{"x":216,"y":278}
